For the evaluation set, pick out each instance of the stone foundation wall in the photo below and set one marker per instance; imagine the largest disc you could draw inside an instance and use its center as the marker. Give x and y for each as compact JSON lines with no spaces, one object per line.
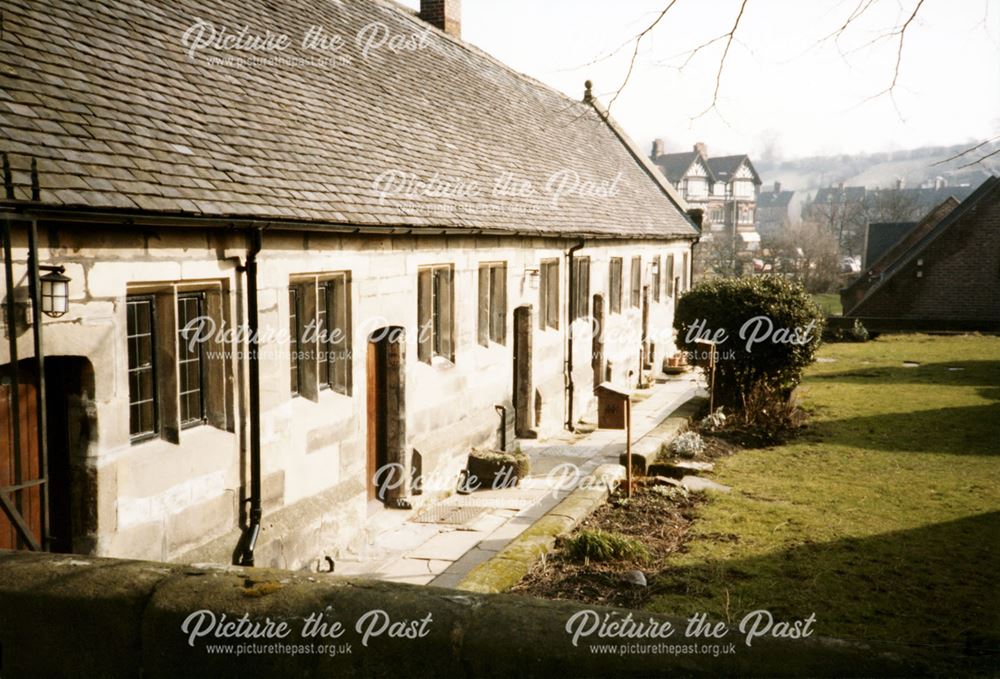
{"x":181,"y":496}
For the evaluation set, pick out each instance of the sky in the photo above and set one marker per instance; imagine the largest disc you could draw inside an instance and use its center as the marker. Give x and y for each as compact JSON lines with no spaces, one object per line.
{"x":785,"y":92}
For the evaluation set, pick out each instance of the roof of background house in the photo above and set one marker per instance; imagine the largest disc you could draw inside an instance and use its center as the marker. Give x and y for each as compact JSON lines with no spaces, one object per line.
{"x":881,"y":236}
{"x":923,"y":234}
{"x":725,"y":167}
{"x":774,"y":199}
{"x":675,"y":165}
{"x":836,"y":194}
{"x":106,"y":96}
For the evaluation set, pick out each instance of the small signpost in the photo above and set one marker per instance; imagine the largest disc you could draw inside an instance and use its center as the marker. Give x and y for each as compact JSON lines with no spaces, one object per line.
{"x":614,"y":411}
{"x":712,"y":357}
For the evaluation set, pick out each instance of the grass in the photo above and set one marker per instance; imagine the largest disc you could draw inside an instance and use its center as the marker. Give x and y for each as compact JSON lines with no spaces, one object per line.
{"x":829,"y":302}
{"x":883,"y":518}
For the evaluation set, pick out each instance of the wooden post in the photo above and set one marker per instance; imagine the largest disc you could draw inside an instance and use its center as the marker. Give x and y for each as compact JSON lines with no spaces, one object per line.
{"x":628,"y":447}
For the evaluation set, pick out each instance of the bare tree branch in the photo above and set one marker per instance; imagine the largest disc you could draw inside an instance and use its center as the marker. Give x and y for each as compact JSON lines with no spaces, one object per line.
{"x":635,"y":52}
{"x":722,"y":61}
{"x":901,"y":32}
{"x":962,"y":153}
{"x":976,"y":162}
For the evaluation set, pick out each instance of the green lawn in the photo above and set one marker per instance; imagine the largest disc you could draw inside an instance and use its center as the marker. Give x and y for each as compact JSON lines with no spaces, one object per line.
{"x":883,"y":518}
{"x":829,"y":302}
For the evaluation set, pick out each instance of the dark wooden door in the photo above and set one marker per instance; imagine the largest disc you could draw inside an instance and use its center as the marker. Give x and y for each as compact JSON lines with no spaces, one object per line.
{"x":376,"y":421}
{"x":387,"y":416}
{"x":597,"y":341}
{"x":522,"y":373}
{"x":19,"y":473}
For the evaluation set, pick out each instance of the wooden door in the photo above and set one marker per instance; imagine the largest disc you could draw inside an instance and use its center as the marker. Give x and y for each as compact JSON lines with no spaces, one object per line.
{"x":597,"y":340}
{"x":522,"y":373}
{"x":19,"y":473}
{"x":387,"y":416}
{"x":376,"y":425}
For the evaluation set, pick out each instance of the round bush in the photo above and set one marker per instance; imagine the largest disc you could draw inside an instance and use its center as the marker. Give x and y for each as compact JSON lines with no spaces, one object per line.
{"x":768,"y":329}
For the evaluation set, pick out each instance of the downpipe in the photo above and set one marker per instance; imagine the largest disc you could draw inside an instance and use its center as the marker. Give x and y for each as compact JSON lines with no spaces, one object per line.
{"x":256,"y":513}
{"x":571,"y":308}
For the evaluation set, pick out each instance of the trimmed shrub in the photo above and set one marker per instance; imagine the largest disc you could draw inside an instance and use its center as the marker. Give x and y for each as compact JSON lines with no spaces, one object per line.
{"x":599,"y":545}
{"x":771,"y":327}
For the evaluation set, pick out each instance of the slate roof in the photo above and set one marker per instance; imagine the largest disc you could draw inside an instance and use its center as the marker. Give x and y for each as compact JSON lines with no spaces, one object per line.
{"x":675,"y":165}
{"x":107,"y":98}
{"x":774,"y":199}
{"x":834,"y":194}
{"x":724,"y":167}
{"x":882,"y":236}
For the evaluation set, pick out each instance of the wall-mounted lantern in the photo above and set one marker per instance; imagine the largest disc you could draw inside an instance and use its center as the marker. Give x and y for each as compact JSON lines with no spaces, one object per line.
{"x":533,"y":276}
{"x":55,"y":291}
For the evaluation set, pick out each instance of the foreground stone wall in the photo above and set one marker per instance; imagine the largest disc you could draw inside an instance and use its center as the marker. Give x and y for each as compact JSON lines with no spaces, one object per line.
{"x":73,"y":616}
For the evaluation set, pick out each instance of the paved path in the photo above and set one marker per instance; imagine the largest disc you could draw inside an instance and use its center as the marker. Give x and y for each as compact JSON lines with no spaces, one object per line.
{"x":406,"y":550}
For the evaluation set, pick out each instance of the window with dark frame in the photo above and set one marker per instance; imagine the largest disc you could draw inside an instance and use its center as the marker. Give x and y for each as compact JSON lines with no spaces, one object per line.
{"x":294,"y":334}
{"x":636,"y":281}
{"x":492,"y":303}
{"x":670,"y":275}
{"x":143,"y":422}
{"x":335,"y":326}
{"x":435,"y":313}
{"x":190,"y":359}
{"x":548,"y":303}
{"x":655,"y":283}
{"x":324,"y":337}
{"x":615,"y":285}
{"x":581,"y":282}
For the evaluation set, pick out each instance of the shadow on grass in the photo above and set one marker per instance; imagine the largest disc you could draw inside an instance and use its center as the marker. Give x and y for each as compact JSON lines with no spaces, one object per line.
{"x":929,"y":593}
{"x":964,"y":430}
{"x":969,"y":373}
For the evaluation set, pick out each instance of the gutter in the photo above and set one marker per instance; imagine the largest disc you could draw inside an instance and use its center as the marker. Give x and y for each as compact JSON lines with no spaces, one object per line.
{"x":249,"y":539}
{"x":571,"y":294}
{"x":159,"y":219}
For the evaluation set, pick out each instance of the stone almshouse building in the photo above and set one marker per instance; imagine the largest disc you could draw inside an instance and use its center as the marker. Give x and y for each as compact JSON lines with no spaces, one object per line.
{"x":457,"y":225}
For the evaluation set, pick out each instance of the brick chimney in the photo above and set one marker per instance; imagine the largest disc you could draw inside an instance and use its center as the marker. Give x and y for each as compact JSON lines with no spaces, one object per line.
{"x":777,"y":187}
{"x":659,"y":147}
{"x":444,"y":14}
{"x":701,"y":150}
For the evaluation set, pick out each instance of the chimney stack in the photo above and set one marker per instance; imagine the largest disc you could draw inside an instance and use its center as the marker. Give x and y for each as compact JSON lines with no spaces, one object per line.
{"x":899,"y":183}
{"x":443,"y":14}
{"x":777,"y":187}
{"x":701,"y":150}
{"x":659,"y":147}
{"x":940,"y":182}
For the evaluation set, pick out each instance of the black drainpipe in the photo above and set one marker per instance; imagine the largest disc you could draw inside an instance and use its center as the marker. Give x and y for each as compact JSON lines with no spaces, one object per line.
{"x":41,"y":420}
{"x":569,"y":325}
{"x":253,"y":527}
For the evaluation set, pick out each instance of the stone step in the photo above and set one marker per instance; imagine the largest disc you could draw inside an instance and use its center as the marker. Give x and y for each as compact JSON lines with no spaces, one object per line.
{"x":676,"y":469}
{"x":647,"y":449}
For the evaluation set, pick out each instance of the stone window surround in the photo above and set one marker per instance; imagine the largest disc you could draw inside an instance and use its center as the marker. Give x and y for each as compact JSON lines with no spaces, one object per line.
{"x":218,"y":413}
{"x":306,"y":288}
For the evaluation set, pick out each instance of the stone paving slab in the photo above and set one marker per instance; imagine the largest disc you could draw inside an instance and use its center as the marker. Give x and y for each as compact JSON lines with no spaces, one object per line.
{"x":424,"y":553}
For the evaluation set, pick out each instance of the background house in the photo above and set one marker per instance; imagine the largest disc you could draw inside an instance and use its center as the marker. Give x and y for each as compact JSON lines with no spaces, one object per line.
{"x":941,"y":274}
{"x":773,"y":205}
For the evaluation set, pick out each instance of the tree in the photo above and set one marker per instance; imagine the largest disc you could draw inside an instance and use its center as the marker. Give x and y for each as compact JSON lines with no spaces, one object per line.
{"x":730,"y":30}
{"x":807,"y":253}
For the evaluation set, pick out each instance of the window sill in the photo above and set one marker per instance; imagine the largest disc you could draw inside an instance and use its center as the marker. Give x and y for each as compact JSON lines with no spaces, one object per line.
{"x":441,"y":363}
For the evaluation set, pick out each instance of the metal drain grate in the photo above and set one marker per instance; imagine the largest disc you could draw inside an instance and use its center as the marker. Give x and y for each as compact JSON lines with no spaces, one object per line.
{"x":455,"y":515}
